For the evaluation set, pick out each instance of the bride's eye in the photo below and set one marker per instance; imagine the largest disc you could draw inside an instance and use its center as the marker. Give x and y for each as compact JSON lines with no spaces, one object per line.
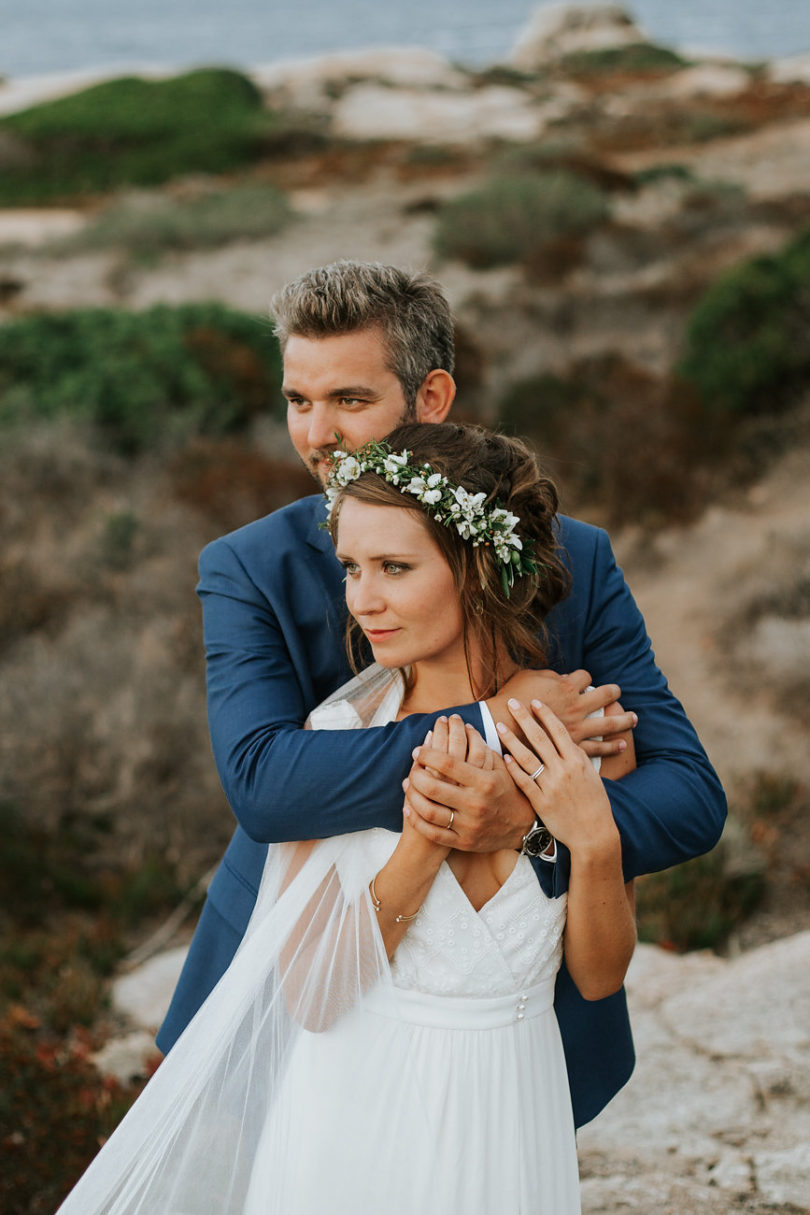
{"x":350,"y":567}
{"x":395,"y":567}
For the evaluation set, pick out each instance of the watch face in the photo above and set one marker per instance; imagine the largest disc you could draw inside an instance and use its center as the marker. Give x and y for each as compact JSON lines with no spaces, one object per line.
{"x":537,"y":841}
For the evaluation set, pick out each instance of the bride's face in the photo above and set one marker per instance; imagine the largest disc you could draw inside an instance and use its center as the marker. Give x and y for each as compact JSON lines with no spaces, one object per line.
{"x":399,"y":588}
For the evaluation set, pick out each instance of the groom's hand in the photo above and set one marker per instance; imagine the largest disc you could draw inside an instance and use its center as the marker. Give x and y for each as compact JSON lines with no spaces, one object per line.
{"x":488,"y":811}
{"x":572,"y":699}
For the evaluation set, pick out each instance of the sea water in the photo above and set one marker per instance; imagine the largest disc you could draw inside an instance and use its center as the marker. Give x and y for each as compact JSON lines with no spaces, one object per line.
{"x":40,"y":36}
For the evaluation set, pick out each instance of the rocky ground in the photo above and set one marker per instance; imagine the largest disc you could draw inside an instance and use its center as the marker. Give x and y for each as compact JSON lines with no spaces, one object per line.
{"x":716,"y":1117}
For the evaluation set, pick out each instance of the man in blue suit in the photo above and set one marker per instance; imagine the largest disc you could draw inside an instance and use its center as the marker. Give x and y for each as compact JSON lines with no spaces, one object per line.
{"x":366,"y":347}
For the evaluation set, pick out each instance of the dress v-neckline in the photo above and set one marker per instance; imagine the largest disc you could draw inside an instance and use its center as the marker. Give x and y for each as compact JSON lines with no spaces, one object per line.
{"x":479,"y":911}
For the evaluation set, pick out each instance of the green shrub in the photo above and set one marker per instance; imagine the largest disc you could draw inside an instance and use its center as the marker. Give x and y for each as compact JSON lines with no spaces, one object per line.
{"x":144,"y":379}
{"x":147,"y":226}
{"x":747,"y":349}
{"x":635,"y":57}
{"x":513,"y":218}
{"x":133,"y":132}
{"x":704,"y":125}
{"x":699,"y":904}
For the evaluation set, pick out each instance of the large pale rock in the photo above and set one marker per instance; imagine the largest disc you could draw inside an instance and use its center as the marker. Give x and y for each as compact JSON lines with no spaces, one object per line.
{"x":36,"y":227}
{"x":309,"y":80}
{"x":795,"y":69}
{"x":370,"y":111}
{"x":783,"y":646}
{"x":144,"y":995}
{"x":127,"y":1058}
{"x":784,"y":1177}
{"x":718,"y":1111}
{"x":564,"y":29}
{"x":703,"y":80}
{"x":732,"y":1013}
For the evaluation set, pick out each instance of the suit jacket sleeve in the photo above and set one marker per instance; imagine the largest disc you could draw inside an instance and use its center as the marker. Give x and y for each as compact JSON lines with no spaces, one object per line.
{"x":284,"y":782}
{"x":672,"y":807}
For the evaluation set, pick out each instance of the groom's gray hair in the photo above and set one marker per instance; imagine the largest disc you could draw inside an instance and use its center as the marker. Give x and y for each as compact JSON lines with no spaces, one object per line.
{"x":347,"y":296}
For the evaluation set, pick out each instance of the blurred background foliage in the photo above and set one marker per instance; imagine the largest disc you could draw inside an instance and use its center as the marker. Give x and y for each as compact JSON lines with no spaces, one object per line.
{"x":747,"y":348}
{"x":132,"y":132}
{"x":143,"y":380}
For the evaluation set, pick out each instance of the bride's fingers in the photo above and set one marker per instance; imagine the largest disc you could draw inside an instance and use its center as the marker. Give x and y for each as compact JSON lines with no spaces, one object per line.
{"x":523,"y":780}
{"x":533,"y":727}
{"x":553,"y":727}
{"x":478,"y":753}
{"x":528,"y":760}
{"x":457,"y":737}
{"x":440,"y":734}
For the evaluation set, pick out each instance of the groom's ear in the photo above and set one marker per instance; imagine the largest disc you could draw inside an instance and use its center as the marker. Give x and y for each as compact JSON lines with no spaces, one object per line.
{"x":435,"y":396}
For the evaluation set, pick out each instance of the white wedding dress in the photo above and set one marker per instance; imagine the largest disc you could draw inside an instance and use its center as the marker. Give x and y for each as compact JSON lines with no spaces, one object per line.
{"x":318,"y":1079}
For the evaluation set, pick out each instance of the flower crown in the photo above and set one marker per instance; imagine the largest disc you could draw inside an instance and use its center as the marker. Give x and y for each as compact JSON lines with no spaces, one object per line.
{"x":449,"y":504}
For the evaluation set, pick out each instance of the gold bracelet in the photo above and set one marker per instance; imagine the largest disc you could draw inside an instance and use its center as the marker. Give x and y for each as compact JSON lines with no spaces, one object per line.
{"x":398,"y":919}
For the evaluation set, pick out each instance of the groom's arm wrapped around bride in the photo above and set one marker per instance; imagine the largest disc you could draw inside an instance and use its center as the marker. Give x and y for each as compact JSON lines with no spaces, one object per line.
{"x":274,"y":617}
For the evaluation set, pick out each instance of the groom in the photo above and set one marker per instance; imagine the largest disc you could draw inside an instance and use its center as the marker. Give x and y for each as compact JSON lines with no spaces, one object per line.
{"x":365,"y":347}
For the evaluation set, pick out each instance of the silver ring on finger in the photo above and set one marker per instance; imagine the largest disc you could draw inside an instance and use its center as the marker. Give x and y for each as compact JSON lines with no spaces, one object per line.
{"x":449,"y":826}
{"x":537,"y":772}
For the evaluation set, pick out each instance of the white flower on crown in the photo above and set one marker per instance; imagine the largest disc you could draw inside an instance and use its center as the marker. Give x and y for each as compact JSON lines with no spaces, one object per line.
{"x":394,"y":465}
{"x":427,"y":489}
{"x":470,"y":504}
{"x":348,"y":468}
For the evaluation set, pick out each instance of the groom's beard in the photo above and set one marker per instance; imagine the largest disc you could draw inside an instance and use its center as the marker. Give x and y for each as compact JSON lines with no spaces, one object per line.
{"x":318,"y":465}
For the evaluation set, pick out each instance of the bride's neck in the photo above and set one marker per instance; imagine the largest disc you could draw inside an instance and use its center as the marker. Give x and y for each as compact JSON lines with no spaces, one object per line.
{"x":438,"y":685}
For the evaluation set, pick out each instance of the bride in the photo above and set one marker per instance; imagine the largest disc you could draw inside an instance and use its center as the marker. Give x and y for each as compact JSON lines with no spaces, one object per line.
{"x":385,"y":1039}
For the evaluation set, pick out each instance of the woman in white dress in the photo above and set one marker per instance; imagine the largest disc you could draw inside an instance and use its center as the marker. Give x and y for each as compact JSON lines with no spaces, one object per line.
{"x":385,"y":1039}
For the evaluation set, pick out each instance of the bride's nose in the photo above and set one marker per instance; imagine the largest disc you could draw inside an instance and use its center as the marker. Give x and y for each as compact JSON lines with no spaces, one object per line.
{"x":364,"y":595}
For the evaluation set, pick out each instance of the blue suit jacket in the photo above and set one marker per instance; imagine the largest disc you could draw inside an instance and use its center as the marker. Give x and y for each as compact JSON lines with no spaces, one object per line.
{"x":274,"y":617}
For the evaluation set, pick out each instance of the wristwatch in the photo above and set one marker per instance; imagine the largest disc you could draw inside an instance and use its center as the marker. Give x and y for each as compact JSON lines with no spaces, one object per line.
{"x":536,"y":841}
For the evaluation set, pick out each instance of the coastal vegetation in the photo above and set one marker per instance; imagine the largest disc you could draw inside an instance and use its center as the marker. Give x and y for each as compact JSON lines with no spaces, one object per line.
{"x":144,"y":380}
{"x":635,"y":58}
{"x":131,"y":132}
{"x":146,"y":227}
{"x":518,"y":218}
{"x":746,"y":342}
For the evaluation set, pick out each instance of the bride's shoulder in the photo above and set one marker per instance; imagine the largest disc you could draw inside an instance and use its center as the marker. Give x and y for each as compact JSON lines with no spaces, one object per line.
{"x":371,"y":697}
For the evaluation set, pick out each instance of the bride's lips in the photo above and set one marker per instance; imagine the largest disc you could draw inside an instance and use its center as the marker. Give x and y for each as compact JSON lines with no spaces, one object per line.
{"x":380,"y":634}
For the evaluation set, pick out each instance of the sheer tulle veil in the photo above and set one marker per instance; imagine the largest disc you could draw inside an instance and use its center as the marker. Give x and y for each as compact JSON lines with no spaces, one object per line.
{"x":311,"y":951}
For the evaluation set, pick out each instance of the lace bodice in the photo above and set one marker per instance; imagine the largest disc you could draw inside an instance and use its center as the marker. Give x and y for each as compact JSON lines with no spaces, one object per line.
{"x":515,"y":940}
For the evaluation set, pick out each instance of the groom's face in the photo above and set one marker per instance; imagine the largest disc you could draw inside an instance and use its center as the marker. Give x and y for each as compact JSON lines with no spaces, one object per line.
{"x":340,"y":393}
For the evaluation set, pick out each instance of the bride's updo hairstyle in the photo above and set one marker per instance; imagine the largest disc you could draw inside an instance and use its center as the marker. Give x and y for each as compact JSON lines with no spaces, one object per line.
{"x":504,"y":469}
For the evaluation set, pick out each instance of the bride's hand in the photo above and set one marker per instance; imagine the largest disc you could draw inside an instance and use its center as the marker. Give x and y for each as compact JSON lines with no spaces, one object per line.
{"x":448,"y":737}
{"x":466,"y":801}
{"x":567,"y":793}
